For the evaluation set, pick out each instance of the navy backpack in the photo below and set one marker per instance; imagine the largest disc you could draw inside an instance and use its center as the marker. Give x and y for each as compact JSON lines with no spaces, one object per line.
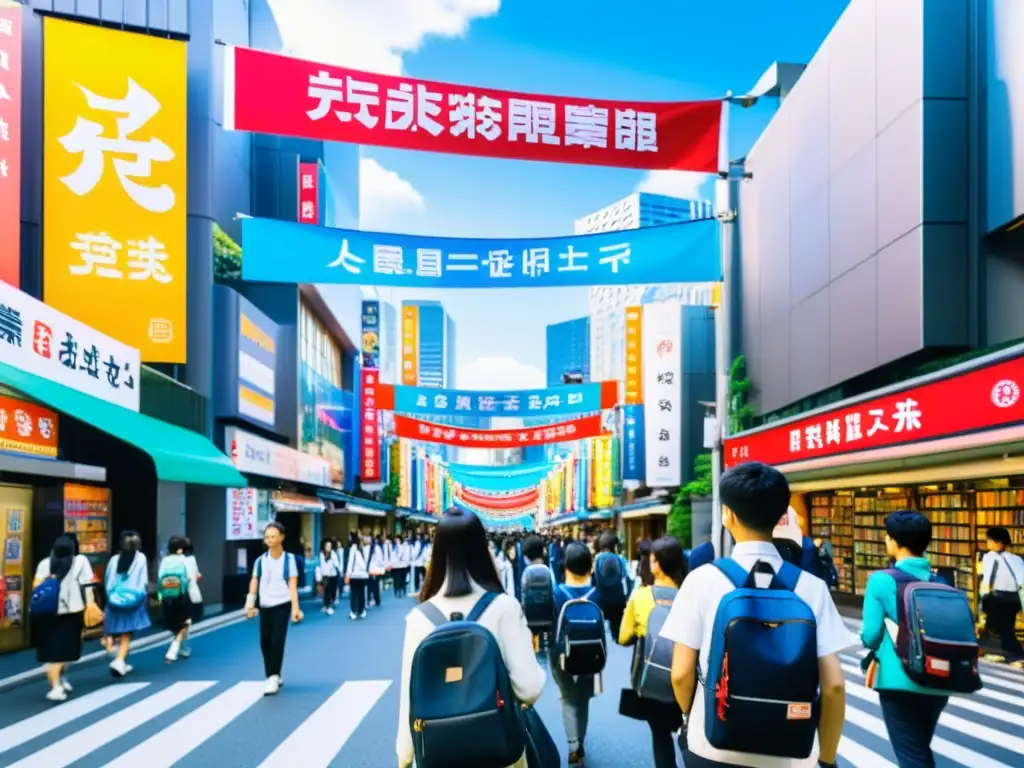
{"x":761,"y":689}
{"x":580,"y":638}
{"x":652,"y":661}
{"x":609,"y":578}
{"x":45,"y":598}
{"x":462,"y":710}
{"x":538,"y":597}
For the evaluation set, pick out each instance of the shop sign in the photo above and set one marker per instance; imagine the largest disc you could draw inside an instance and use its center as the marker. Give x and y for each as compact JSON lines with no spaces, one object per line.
{"x":38,"y":339}
{"x":554,"y":401}
{"x":980,"y":399}
{"x":663,"y":393}
{"x":370,"y":437}
{"x":309,"y":193}
{"x":633,"y":442}
{"x":410,"y":345}
{"x":10,"y":142}
{"x":257,"y":456}
{"x":243,"y":515}
{"x":27,"y":428}
{"x":576,"y":429}
{"x":634,"y":356}
{"x":257,"y":364}
{"x":114,"y":183}
{"x":286,"y":96}
{"x":371,"y":335}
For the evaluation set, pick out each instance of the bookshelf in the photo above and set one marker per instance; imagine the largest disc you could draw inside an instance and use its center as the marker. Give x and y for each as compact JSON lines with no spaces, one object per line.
{"x":869,"y":513}
{"x":1005,"y":507}
{"x":832,"y":519}
{"x":952,"y":547}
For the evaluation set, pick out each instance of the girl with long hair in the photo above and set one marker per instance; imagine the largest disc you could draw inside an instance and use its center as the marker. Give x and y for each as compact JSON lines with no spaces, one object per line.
{"x":127,"y":583}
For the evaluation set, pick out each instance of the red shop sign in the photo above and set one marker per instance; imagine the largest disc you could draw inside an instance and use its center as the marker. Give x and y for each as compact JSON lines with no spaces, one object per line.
{"x":968,"y":402}
{"x":429,"y":432}
{"x":309,"y":193}
{"x":275,"y":94}
{"x":370,"y":443}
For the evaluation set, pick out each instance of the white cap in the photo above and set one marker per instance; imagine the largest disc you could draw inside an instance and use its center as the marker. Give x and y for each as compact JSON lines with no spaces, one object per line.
{"x":789,"y":527}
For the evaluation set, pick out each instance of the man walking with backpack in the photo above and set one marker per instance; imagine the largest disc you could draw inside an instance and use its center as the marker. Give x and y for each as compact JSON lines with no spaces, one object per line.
{"x":611,"y":577}
{"x":766,"y":687}
{"x":899,"y":605}
{"x":538,"y":587}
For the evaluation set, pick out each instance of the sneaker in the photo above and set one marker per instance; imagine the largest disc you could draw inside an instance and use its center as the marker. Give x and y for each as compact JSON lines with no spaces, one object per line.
{"x":272,"y":686}
{"x":323,"y":609}
{"x":362,"y":615}
{"x":66,"y":685}
{"x":118,"y":668}
{"x":352,"y":615}
{"x":172,"y":652}
{"x":184,"y":652}
{"x":280,"y":682}
{"x":330,"y":611}
{"x":57,"y":693}
{"x":576,"y":758}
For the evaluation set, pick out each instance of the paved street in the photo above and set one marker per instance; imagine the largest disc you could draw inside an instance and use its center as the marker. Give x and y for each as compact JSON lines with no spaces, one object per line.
{"x":340,"y":701}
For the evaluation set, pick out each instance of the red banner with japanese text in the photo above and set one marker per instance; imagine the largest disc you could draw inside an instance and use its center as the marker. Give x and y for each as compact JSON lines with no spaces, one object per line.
{"x":976,"y":400}
{"x":309,"y":193}
{"x":430,"y":432}
{"x":10,"y":142}
{"x":370,"y":442}
{"x":280,"y":95}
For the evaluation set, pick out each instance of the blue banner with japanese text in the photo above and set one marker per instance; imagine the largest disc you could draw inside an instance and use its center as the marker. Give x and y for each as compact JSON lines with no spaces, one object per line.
{"x":675,"y":253}
{"x":633,"y":446}
{"x":577,"y":398}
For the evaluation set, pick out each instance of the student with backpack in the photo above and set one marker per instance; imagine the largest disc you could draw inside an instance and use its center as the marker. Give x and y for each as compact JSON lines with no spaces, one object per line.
{"x":275,"y":583}
{"x":537,"y":591}
{"x":611,"y":577}
{"x":921,"y":636}
{"x":755,"y":706}
{"x":357,"y":575}
{"x":1002,"y":588}
{"x":127,"y":612}
{"x":651,"y":697}
{"x":466,"y":639}
{"x":578,"y":654}
{"x":172,"y":581}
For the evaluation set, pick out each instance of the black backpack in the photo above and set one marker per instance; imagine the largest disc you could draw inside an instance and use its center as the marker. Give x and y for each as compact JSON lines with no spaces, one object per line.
{"x":609,"y":578}
{"x":538,"y":597}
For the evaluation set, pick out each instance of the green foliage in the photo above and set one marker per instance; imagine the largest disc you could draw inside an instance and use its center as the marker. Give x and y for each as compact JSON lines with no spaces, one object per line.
{"x":227,"y":257}
{"x":741,"y":413}
{"x":680,"y":516}
{"x":389,"y":493}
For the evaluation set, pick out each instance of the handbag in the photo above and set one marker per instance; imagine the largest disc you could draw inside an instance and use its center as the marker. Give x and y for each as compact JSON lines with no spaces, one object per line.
{"x":92,"y":616}
{"x":541,"y":750}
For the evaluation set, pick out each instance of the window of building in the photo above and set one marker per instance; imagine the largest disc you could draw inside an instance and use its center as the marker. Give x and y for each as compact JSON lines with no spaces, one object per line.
{"x":319,"y":350}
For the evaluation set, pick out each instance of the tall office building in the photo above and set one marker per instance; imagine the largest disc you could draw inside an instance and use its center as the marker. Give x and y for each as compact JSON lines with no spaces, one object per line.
{"x":428,"y":345}
{"x":568,"y":350}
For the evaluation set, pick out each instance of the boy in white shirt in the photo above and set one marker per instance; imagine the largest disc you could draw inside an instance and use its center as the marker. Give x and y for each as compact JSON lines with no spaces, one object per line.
{"x":754,"y":499}
{"x":1002,"y":576}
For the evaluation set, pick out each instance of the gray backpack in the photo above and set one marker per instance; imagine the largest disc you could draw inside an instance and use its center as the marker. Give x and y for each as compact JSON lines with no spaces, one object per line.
{"x":652,"y":659}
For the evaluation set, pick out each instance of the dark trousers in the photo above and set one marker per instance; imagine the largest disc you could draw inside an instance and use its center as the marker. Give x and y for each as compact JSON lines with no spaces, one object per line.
{"x":273,"y":632}
{"x":419,"y":572}
{"x":614,"y":615}
{"x":1001,"y":619}
{"x":664,"y":747}
{"x":357,"y":598}
{"x":374,"y":589}
{"x":400,"y":578}
{"x":330,"y":590}
{"x":911,"y":719}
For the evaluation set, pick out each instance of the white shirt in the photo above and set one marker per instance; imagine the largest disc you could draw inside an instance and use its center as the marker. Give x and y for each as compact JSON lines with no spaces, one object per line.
{"x":358,"y":562}
{"x":328,"y":565}
{"x":504,"y":619}
{"x":273,"y":587}
{"x":1009,"y":575}
{"x":420,"y":553}
{"x":692,"y":619}
{"x":400,"y":555}
{"x":195,"y":595}
{"x":79,"y":575}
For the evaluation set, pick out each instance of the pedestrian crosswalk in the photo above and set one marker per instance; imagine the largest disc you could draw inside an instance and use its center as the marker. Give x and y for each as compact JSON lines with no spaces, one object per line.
{"x":202,"y":722}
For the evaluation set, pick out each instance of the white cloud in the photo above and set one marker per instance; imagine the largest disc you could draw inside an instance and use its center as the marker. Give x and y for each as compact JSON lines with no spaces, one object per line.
{"x":371,"y":35}
{"x":685,"y":184}
{"x":384,"y":196}
{"x":499,"y":373}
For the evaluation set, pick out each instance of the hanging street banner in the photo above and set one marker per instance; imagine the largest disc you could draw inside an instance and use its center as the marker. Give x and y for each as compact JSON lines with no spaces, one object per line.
{"x":634,"y":357}
{"x":414,"y":429}
{"x":10,"y":142}
{"x":284,"y":96}
{"x":370,"y":345}
{"x":370,"y":452}
{"x":309,"y":193}
{"x":663,"y":393}
{"x":673,"y":253}
{"x":569,"y":399}
{"x":633,"y":438}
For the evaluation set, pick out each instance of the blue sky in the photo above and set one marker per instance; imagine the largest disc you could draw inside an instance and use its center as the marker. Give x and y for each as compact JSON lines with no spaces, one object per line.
{"x":671,"y":50}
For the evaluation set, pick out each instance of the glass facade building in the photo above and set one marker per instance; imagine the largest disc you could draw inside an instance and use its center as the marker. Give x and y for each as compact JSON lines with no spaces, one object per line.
{"x":567,"y":350}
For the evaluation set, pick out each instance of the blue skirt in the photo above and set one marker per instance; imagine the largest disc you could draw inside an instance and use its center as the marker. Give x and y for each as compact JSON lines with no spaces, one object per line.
{"x":121,"y":623}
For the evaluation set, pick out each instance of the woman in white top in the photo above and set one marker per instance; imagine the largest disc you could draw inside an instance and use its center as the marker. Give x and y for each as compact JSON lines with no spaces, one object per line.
{"x":127,"y":584}
{"x":59,"y":635}
{"x":1001,"y":580}
{"x":400,"y":565}
{"x":461,"y":571}
{"x":506,"y":574}
{"x":420,"y":547}
{"x":357,"y":574}
{"x":327,"y":575}
{"x":195,"y":594}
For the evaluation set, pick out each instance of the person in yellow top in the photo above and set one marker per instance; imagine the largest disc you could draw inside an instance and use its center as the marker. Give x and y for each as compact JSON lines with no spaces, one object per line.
{"x":668,"y":564}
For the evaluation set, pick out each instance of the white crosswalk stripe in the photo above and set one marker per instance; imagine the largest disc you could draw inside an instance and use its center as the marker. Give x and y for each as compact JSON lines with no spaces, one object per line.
{"x":160,"y":725}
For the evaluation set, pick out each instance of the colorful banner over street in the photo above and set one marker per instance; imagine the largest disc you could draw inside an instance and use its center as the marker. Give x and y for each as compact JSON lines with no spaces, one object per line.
{"x":309,"y":193}
{"x":410,"y":345}
{"x":663,"y":393}
{"x":634,"y":394}
{"x":674,"y":253}
{"x":114,"y":162}
{"x":414,"y":429}
{"x":370,"y":453}
{"x":556,"y":401}
{"x":10,"y":143}
{"x":281,"y":95}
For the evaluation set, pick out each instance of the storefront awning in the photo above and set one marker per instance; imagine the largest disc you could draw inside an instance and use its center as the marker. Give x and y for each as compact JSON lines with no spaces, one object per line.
{"x":179,"y":455}
{"x":656,"y":510}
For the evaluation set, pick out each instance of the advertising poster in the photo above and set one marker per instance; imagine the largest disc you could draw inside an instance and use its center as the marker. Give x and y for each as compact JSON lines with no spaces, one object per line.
{"x":663,"y":393}
{"x":370,"y":453}
{"x":371,"y":328}
{"x":309,"y":193}
{"x":10,"y":143}
{"x":243,"y":517}
{"x":634,"y":394}
{"x":633,"y":443}
{"x":410,"y":345}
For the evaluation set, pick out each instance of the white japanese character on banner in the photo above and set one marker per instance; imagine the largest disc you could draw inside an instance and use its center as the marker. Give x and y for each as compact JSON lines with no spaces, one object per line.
{"x":3,"y":419}
{"x":586,"y":126}
{"x":499,"y":264}
{"x":470,"y":116}
{"x":552,"y":401}
{"x":636,"y":131}
{"x":853,"y":430}
{"x":146,"y":261}
{"x":833,"y":433}
{"x":363,"y":95}
{"x":535,"y":121}
{"x":536,"y":261}
{"x":440,"y":402}
{"x":812,"y":436}
{"x":5,"y":61}
{"x":879,"y":426}
{"x":428,"y":106}
{"x":428,"y":262}
{"x":795,"y":440}
{"x":4,"y":94}
{"x":421,"y":401}
{"x":23,"y":423}
{"x":463,"y":262}
{"x":327,"y":90}
{"x":616,"y":254}
{"x":907,"y":416}
{"x":486,"y":403}
{"x":347,"y":260}
{"x":569,"y":258}
{"x":535,"y":403}
{"x":388,"y":260}
{"x":463,"y":403}
{"x":98,"y":252}
{"x":6,"y":27}
{"x":136,"y":109}
{"x":511,"y":404}
{"x":400,"y":110}
{"x":307,"y":181}
{"x":575,"y":398}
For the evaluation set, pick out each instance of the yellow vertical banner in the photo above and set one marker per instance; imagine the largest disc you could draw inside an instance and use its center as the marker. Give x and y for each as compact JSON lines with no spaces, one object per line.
{"x":634,"y":357}
{"x":114,"y":184}
{"x":410,"y":345}
{"x":602,"y":473}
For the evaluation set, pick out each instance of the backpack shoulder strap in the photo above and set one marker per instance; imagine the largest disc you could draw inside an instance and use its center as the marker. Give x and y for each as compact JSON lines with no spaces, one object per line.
{"x":259,"y":567}
{"x":481,"y":605}
{"x":433,"y":613}
{"x":590,"y":595}
{"x":788,"y":575}
{"x":899,"y":575}
{"x":666,"y":594}
{"x":732,"y":570}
